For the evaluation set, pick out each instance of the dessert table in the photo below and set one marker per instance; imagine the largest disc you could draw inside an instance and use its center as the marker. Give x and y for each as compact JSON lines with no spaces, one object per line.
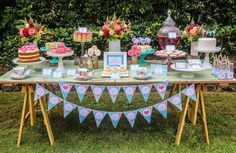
{"x":189,"y":112}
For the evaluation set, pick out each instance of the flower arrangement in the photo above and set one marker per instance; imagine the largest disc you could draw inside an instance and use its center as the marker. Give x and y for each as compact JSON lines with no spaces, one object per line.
{"x":134,"y":53}
{"x":193,"y":31}
{"x":31,"y":31}
{"x":115,"y":29}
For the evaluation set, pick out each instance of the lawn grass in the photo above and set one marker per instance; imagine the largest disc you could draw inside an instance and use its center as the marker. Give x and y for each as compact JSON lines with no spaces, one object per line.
{"x":158,"y":136}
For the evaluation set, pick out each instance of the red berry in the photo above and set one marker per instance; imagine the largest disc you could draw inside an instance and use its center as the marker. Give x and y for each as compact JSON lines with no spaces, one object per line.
{"x":31,"y":24}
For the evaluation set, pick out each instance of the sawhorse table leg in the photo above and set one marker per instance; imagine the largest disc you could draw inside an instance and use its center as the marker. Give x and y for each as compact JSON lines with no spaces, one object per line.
{"x":28,"y":91}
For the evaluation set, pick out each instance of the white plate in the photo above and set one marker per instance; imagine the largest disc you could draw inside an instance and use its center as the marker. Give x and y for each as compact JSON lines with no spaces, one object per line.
{"x":60,"y":55}
{"x":188,"y":70}
{"x":83,"y":79}
{"x":217,"y":49}
{"x":17,"y":77}
{"x":15,"y":61}
{"x":142,"y":78}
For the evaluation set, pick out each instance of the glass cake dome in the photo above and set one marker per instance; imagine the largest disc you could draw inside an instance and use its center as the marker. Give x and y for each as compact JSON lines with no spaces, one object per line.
{"x":169,"y":35}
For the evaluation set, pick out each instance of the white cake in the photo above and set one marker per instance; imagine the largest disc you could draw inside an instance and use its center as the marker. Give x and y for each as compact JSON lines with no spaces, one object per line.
{"x":206,"y":43}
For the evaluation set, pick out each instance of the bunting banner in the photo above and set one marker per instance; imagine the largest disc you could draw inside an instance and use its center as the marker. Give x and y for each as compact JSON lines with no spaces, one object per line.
{"x":113,"y":92}
{"x":190,"y":92}
{"x":39,"y":92}
{"x":146,"y":113}
{"x":115,"y":118}
{"x":129,"y":91}
{"x":131,"y":116}
{"x":162,"y":108}
{"x":53,"y":100}
{"x":145,"y":90}
{"x":65,"y":88}
{"x":81,"y":90}
{"x":68,"y":108}
{"x":161,"y":88}
{"x":99,"y":116}
{"x":97,"y":91}
{"x":83,"y":113}
{"x":176,"y":101}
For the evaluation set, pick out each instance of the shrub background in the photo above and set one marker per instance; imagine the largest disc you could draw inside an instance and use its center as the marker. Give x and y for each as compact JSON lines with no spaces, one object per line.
{"x":64,"y":16}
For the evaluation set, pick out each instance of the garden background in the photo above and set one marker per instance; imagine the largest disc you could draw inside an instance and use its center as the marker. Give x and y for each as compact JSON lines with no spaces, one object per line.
{"x":63,"y":17}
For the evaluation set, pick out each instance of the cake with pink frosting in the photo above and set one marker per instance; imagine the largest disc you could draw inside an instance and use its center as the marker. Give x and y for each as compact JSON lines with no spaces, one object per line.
{"x":28,"y":53}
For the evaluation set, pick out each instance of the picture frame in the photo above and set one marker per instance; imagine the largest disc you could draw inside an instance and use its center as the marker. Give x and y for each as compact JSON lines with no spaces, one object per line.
{"x":115,"y":59}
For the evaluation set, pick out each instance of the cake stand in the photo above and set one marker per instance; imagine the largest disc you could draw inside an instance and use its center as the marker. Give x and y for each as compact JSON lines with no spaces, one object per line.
{"x":188,"y":73}
{"x":207,"y":52}
{"x":53,"y":60}
{"x":30,"y":64}
{"x":169,"y":58}
{"x":60,"y":67}
{"x":143,"y":54}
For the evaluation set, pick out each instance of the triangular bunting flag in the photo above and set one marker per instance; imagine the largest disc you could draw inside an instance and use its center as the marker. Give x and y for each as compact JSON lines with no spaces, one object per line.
{"x":129,"y":91}
{"x":146,"y":113}
{"x":176,"y":100}
{"x":99,"y":116}
{"x":65,"y":88}
{"x":190,"y":92}
{"x":68,"y":108}
{"x":145,"y":90}
{"x":81,"y":90}
{"x":131,"y":116}
{"x":97,"y":91}
{"x":83,"y":113}
{"x":115,"y":118}
{"x":113,"y":92}
{"x":161,"y":88}
{"x":39,"y":92}
{"x":53,"y":100}
{"x":162,"y":108}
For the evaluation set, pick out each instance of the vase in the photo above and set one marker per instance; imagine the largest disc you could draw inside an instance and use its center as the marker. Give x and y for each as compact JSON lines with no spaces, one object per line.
{"x":193,"y":52}
{"x":35,"y":43}
{"x":114,"y":46}
{"x":134,"y":60}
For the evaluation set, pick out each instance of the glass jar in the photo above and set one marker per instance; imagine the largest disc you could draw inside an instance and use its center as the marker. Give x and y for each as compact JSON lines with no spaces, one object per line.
{"x":169,"y":35}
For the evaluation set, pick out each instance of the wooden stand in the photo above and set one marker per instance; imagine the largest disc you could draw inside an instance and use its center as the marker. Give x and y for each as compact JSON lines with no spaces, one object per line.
{"x":28,"y":91}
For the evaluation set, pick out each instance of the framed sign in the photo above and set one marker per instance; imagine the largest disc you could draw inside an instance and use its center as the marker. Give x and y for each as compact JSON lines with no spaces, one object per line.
{"x":115,"y":59}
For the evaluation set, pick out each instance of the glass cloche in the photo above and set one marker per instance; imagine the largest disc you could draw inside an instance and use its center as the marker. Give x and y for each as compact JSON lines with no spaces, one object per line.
{"x":169,"y":35}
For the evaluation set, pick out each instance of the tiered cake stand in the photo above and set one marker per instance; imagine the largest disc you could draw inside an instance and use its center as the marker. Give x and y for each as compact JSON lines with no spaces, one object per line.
{"x":143,"y":54}
{"x":60,"y":67}
{"x":30,"y":64}
{"x":45,"y":50}
{"x":206,"y":62}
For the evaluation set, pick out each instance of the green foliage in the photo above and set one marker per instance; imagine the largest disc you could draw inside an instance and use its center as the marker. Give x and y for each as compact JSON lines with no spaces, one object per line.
{"x":64,"y":16}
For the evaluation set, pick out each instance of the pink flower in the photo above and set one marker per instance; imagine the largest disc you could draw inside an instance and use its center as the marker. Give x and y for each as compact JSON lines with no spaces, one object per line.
{"x":138,"y":53}
{"x":118,"y":29}
{"x":24,"y":32}
{"x":131,"y":53}
{"x":135,"y":48}
{"x":31,"y":31}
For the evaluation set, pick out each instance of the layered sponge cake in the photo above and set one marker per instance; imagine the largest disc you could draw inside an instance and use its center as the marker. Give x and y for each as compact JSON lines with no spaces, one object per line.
{"x":28,"y":54}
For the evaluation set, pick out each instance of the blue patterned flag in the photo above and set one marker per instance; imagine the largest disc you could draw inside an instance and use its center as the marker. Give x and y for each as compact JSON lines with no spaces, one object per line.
{"x":131,"y":116}
{"x":146,"y":113}
{"x":162,"y":108}
{"x":115,"y":118}
{"x":53,"y":100}
{"x":190,"y":92}
{"x":97,"y":91}
{"x":113,"y":92}
{"x":145,"y":90}
{"x":176,"y":101}
{"x":83,"y":113}
{"x":161,"y":88}
{"x":99,"y":116}
{"x":81,"y":90}
{"x":129,"y":91}
{"x":39,"y":92}
{"x":65,"y":88}
{"x":68,"y":107}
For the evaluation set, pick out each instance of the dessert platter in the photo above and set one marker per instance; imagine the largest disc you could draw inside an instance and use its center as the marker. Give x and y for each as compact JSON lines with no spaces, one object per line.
{"x":28,"y":55}
{"x":187,"y":69}
{"x":60,"y":52}
{"x":207,"y":46}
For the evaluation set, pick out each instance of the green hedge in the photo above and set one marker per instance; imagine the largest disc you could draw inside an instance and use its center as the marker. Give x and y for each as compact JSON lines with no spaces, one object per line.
{"x":64,"y":16}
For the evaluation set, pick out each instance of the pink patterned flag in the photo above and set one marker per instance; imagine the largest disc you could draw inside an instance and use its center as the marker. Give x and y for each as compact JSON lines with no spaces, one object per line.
{"x":145,"y":90}
{"x":161,"y":88}
{"x":113,"y":92}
